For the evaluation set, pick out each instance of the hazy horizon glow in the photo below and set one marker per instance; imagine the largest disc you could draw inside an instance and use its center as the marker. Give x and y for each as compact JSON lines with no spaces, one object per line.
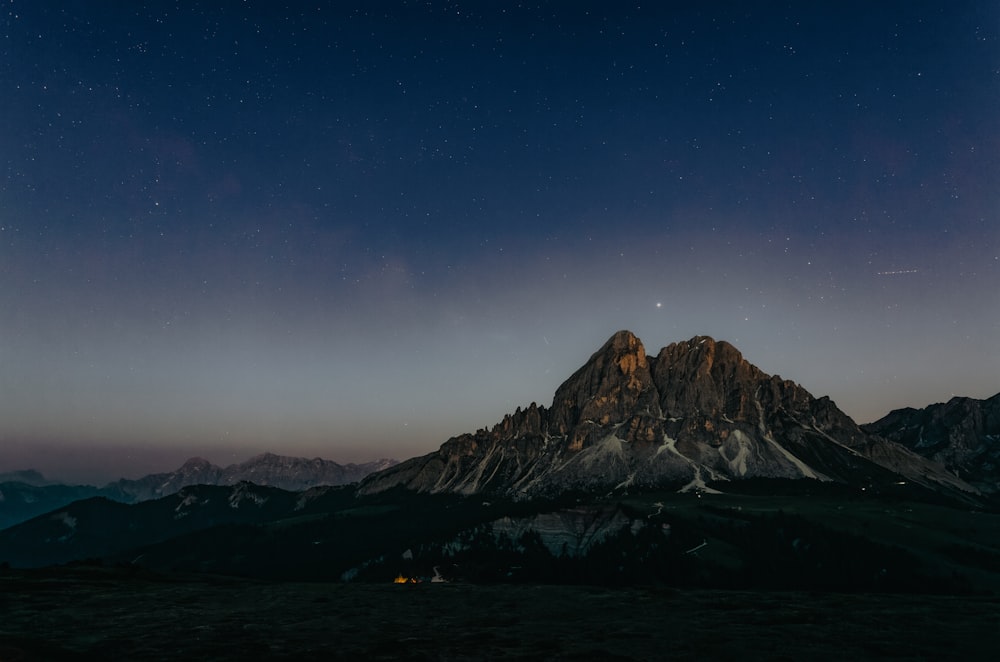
{"x":355,"y":231}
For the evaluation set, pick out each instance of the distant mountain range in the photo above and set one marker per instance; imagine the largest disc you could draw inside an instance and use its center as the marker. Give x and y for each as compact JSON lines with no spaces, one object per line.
{"x":288,"y":473}
{"x":26,"y":476}
{"x":25,"y":494}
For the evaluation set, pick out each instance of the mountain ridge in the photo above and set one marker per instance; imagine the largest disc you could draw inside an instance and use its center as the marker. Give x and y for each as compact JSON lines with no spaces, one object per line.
{"x":29,"y":494}
{"x":697,"y":412}
{"x":266,"y":469}
{"x":962,"y":434}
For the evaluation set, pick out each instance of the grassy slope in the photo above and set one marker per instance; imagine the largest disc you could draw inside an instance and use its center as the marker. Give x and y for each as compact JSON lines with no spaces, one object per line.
{"x":946,"y":539}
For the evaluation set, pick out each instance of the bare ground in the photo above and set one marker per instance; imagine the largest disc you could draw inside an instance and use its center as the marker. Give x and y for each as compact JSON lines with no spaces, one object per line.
{"x":106,"y":614}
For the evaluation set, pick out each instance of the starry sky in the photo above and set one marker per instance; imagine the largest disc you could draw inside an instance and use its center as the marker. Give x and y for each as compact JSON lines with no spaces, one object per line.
{"x":353,"y":230}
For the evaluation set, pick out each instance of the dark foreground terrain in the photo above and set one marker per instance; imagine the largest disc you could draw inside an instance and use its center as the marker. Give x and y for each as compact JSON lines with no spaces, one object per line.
{"x":127,"y":614}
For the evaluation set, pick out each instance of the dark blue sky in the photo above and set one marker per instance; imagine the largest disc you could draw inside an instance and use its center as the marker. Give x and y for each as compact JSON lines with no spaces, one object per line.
{"x":354,"y":231}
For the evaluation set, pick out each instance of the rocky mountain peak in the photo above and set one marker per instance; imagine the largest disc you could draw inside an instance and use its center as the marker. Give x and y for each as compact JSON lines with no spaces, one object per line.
{"x":195,"y":464}
{"x":708,"y":377}
{"x":523,"y":422}
{"x":697,"y":412}
{"x":610,"y":388}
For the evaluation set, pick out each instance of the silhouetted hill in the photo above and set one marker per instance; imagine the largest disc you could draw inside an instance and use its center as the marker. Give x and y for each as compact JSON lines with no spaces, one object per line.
{"x":32,"y":495}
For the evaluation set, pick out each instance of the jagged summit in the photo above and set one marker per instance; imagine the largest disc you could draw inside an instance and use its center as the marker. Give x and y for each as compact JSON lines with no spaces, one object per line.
{"x":963,"y":434}
{"x":611,"y":385}
{"x":696,"y":412}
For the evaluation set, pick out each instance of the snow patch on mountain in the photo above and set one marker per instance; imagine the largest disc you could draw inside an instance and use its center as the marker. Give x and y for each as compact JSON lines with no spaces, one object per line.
{"x":738,"y":444}
{"x":807,"y":471}
{"x":66,"y":519}
{"x":697,"y":484}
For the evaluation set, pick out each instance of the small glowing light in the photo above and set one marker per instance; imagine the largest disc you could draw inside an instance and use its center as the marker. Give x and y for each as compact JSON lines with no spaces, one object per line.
{"x":659,"y":304}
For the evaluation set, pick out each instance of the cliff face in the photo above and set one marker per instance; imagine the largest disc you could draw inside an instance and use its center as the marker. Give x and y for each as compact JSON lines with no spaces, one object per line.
{"x":696,"y":412}
{"x":963,"y":434}
{"x":614,"y":387}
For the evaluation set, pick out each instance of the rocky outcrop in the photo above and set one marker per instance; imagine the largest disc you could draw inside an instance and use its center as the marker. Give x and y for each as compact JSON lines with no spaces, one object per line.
{"x":963,"y":434}
{"x":695,"y":413}
{"x":570,"y":532}
{"x":614,"y":387}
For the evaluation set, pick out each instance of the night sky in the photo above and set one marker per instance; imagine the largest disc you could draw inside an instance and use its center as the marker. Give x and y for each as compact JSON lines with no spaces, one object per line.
{"x":355,"y":230}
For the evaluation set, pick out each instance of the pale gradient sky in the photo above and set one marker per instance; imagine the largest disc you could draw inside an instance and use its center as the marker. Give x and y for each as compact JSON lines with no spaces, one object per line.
{"x":354,"y":232}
